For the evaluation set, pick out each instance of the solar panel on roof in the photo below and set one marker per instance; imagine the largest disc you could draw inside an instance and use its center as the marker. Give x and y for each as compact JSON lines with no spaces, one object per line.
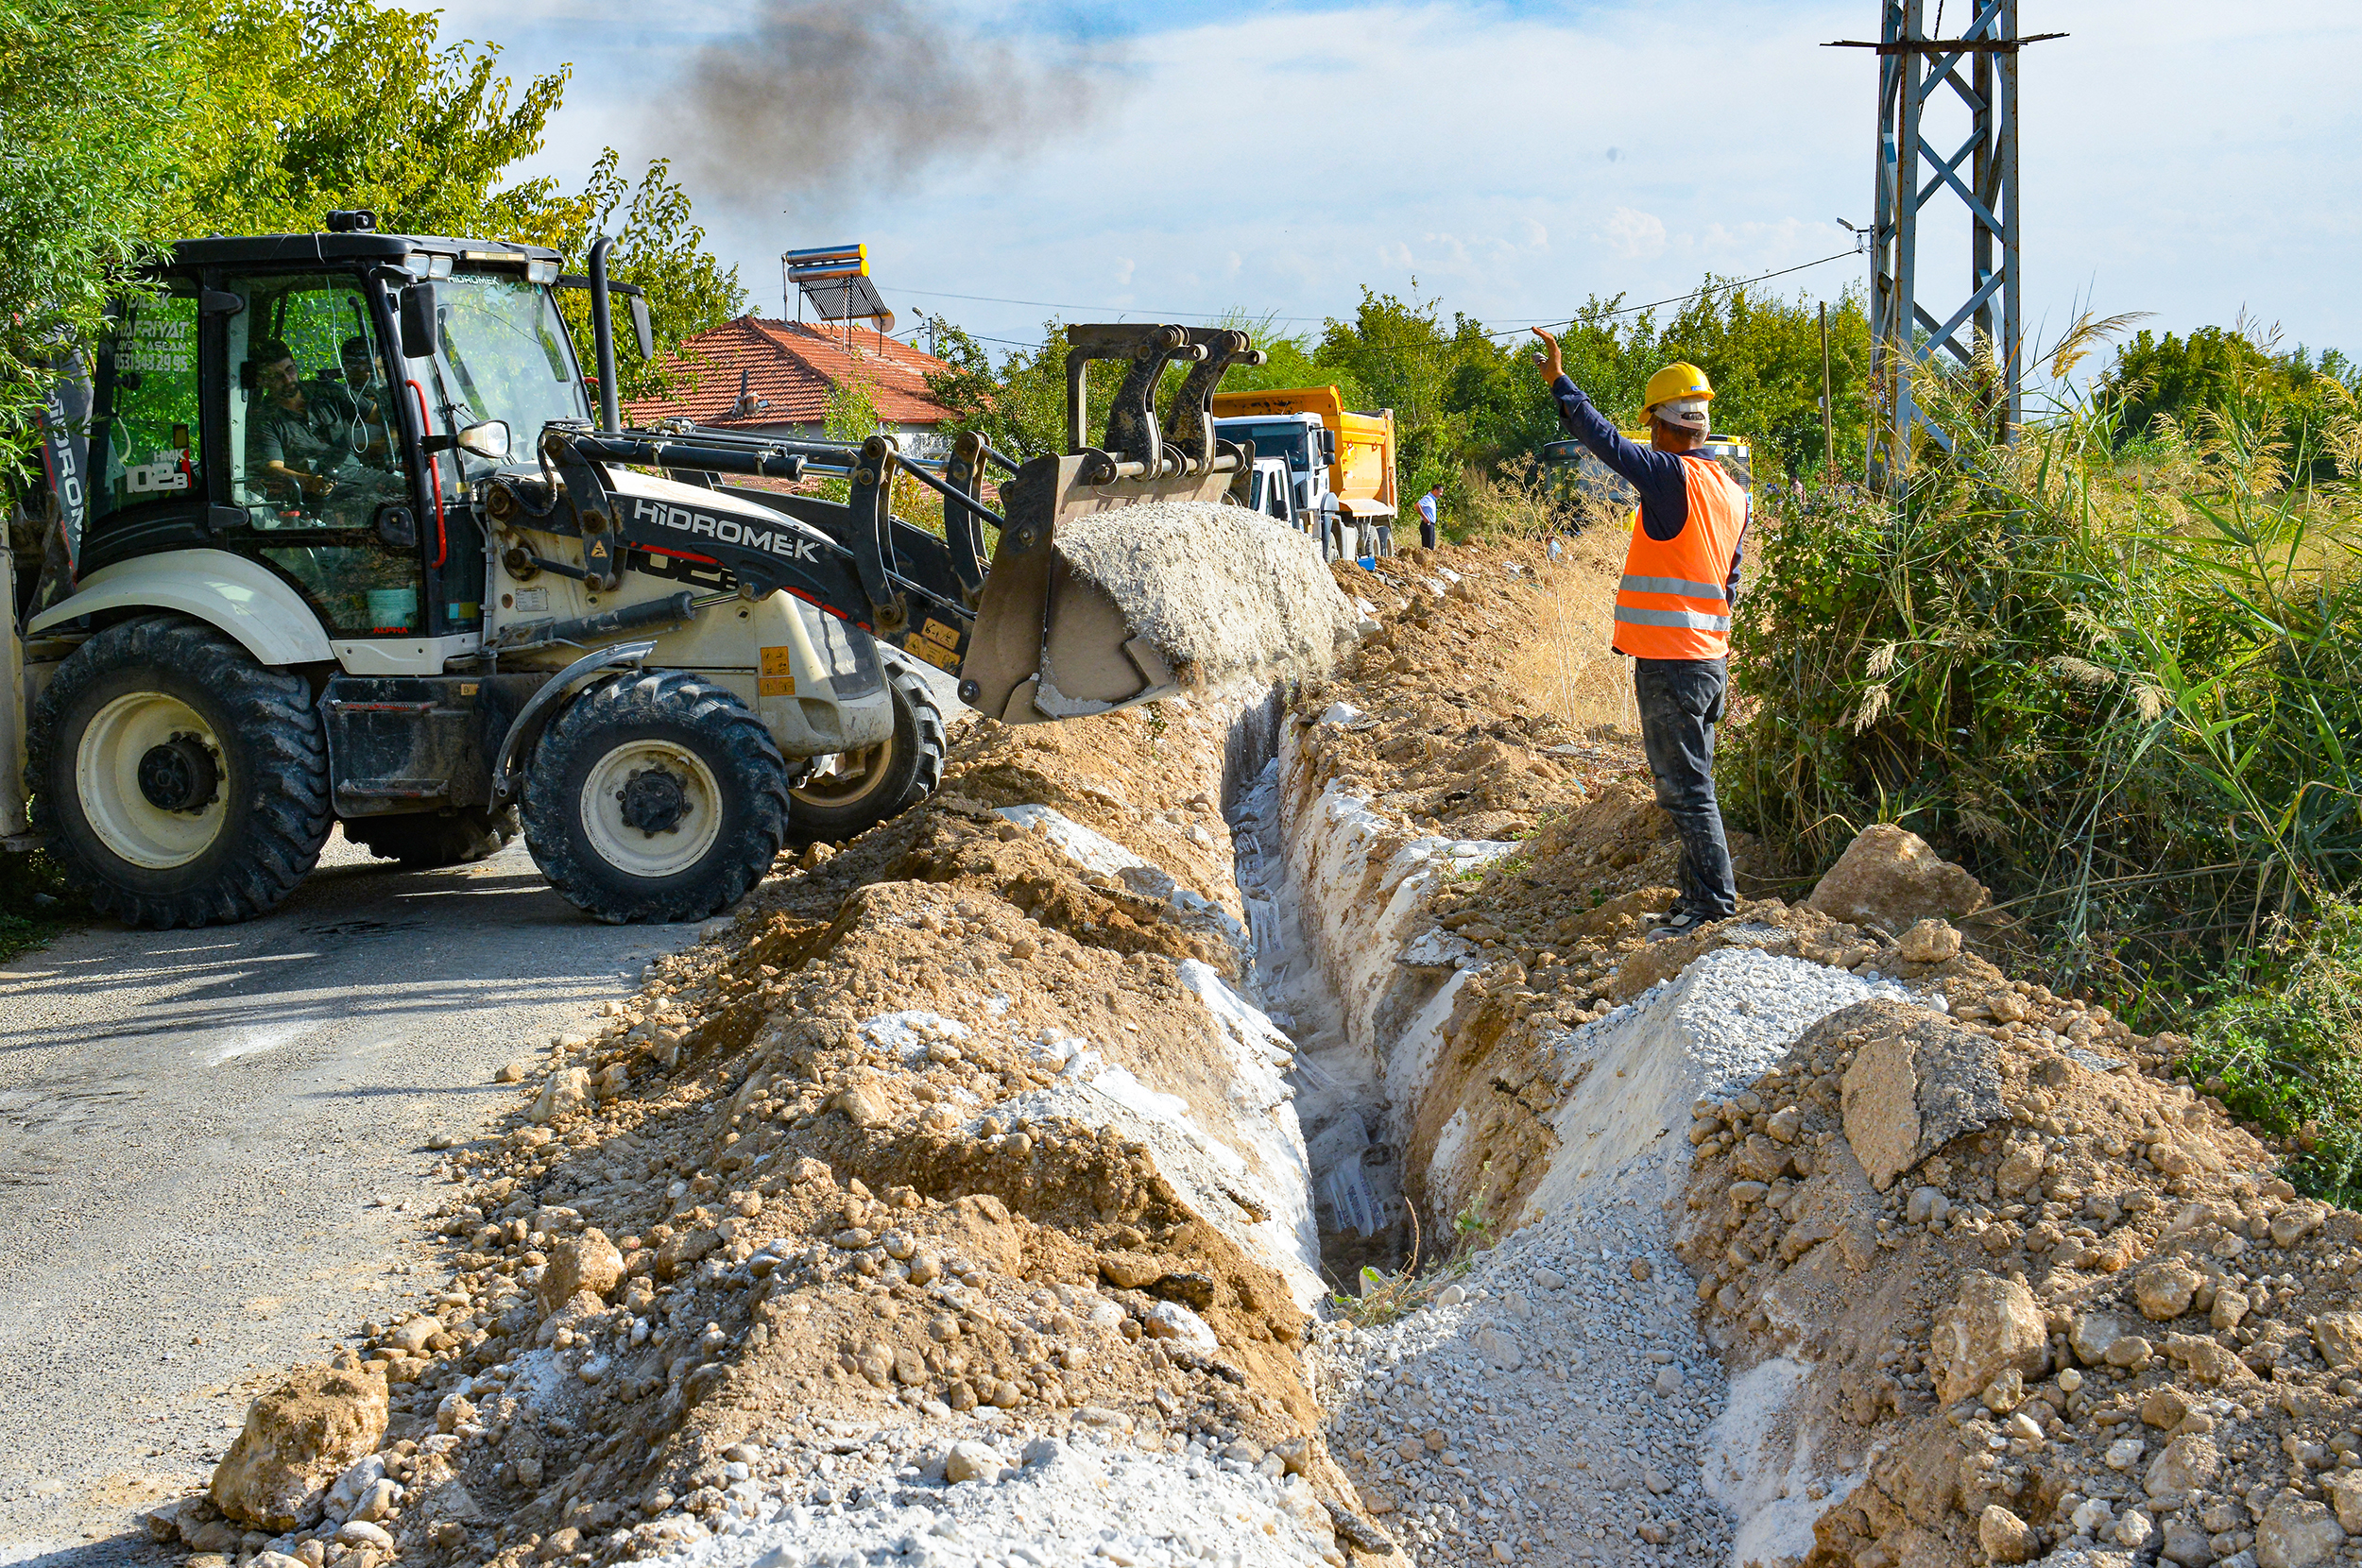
{"x":844,"y":298}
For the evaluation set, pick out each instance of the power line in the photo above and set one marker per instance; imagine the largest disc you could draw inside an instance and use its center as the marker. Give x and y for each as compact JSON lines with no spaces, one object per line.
{"x":1510,"y":332}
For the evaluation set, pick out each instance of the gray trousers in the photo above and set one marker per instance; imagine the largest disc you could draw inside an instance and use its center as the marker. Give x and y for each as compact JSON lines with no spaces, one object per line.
{"x":1681,"y":700}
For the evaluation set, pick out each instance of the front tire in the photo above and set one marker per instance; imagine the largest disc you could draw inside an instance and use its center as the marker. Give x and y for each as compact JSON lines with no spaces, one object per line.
{"x":422,"y":840}
{"x":656,"y":796}
{"x":852,"y":792}
{"x":179,"y":783}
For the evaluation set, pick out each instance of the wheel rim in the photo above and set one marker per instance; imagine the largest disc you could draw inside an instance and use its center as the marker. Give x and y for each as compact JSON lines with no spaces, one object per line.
{"x":149,"y":778}
{"x":651,"y":809}
{"x":846,"y":777}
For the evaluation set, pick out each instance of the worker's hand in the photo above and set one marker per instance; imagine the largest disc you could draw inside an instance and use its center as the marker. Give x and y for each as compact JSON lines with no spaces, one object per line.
{"x":1549,"y":358}
{"x":317,"y":485}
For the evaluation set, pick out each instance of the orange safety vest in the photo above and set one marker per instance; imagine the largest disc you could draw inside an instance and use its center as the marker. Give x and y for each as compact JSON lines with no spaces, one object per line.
{"x":1673,"y":603}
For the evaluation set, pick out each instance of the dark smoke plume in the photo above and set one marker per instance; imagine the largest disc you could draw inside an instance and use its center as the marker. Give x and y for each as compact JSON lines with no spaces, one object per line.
{"x":825,"y":96}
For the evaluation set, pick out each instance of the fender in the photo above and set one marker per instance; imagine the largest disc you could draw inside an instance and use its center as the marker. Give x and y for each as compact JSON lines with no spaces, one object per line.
{"x":507,"y":780}
{"x":240,"y":597}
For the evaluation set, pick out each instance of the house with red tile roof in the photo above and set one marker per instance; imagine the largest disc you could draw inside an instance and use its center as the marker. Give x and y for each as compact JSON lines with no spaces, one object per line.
{"x":775,"y":378}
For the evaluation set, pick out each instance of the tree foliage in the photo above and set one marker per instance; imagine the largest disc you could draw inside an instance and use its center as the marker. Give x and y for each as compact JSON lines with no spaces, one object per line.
{"x":2221,"y":376}
{"x":81,"y":200}
{"x":191,"y":117}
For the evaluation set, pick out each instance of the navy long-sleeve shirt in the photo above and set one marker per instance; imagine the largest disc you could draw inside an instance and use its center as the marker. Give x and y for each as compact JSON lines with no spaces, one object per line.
{"x":1664,"y":489}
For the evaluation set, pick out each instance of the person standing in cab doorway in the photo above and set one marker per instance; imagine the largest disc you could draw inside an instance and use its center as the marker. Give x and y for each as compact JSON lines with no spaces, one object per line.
{"x":1673,"y":609}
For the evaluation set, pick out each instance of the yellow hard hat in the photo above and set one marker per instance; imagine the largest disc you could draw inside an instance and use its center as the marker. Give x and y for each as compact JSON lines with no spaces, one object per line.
{"x":1678,"y":380}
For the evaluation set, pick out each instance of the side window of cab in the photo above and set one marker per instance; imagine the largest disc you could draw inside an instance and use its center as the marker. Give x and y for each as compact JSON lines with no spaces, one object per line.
{"x":149,"y":448}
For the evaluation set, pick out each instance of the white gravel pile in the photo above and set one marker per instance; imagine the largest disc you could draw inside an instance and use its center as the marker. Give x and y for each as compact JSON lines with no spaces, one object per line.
{"x":1020,"y":1504}
{"x":1215,"y":587}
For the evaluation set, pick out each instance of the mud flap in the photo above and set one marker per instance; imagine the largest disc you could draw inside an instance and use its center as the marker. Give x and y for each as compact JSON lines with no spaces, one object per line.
{"x":1048,"y":643}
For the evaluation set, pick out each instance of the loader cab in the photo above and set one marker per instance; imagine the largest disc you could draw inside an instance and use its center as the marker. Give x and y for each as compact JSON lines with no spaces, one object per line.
{"x":268,"y":399}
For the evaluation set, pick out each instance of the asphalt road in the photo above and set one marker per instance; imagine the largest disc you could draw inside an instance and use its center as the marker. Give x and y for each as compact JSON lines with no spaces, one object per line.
{"x":206,"y":1139}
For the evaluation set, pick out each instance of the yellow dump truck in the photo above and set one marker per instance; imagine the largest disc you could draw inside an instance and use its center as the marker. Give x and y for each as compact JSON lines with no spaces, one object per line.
{"x":1341,"y":463}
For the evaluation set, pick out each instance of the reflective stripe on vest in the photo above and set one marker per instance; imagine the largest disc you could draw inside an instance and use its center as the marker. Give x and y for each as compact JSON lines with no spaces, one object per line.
{"x":1672,"y":600}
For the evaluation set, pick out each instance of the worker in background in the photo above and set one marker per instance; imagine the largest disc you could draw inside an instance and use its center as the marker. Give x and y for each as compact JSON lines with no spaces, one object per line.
{"x":1673,"y":609}
{"x":1426,"y":515}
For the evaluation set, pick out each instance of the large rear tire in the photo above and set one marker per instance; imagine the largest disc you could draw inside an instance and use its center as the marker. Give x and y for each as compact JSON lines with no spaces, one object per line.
{"x":178,"y":782}
{"x":852,"y":792}
{"x":424,"y":839}
{"x":655,"y":796}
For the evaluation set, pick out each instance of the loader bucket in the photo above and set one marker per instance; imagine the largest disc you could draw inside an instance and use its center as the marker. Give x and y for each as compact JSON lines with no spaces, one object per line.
{"x":1106,"y":595}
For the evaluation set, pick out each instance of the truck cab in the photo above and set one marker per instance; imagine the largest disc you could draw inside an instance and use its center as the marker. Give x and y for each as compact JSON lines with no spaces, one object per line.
{"x":1341,"y":463}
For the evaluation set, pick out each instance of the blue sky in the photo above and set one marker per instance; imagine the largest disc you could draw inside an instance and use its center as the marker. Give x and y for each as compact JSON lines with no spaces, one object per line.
{"x":2189,"y":160}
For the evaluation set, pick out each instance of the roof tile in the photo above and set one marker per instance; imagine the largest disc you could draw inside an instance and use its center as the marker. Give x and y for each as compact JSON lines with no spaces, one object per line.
{"x":795,"y":366}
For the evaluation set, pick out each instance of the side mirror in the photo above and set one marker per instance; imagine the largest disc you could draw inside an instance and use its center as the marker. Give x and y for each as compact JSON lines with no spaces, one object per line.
{"x":418,"y":321}
{"x":1328,"y":446}
{"x":642,"y":327}
{"x":489,"y":439}
{"x":396,"y":528}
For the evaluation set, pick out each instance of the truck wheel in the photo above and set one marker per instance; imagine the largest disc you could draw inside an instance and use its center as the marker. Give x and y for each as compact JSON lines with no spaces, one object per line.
{"x":852,"y":792}
{"x":180,"y":783}
{"x":424,"y":839}
{"x":655,"y":796}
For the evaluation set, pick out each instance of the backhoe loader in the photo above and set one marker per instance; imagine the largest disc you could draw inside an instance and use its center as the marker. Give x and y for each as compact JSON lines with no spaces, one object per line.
{"x":332,"y":532}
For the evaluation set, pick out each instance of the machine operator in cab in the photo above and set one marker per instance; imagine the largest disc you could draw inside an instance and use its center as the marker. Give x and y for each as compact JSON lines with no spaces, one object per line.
{"x":1673,"y":609}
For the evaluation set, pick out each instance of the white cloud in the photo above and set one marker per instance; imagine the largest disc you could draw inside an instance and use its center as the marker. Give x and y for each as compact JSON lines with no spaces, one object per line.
{"x":1639,"y":235}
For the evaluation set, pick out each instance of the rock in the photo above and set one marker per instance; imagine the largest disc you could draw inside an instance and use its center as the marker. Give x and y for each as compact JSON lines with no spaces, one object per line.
{"x":1890,"y":878}
{"x":2344,"y":1487}
{"x":2131,"y":1351}
{"x":359,"y":1532}
{"x":267,"y":1558}
{"x":297,"y":1441}
{"x":2091,"y":1336}
{"x":1783,"y":1124}
{"x":1668,"y":1382}
{"x":2004,"y":1537}
{"x":2208,"y":1361}
{"x":861,"y":1106}
{"x":1919,"y":1081}
{"x":1929,"y":942}
{"x":1130,"y":1271}
{"x":2339,"y":1337}
{"x":2124,"y":1452}
{"x":1499,"y":1349}
{"x":2005,"y":1394}
{"x":2134,"y":1529}
{"x":2297,"y":1221}
{"x":170,"y":1522}
{"x":378,"y":1501}
{"x":567,"y":1091}
{"x":2187,"y":1464}
{"x":2164,"y":1291}
{"x":1452,"y":1295}
{"x":346,"y":1495}
{"x":1549,"y":1279}
{"x":1925,"y":1204}
{"x":971,"y":1462}
{"x":2165,"y":1409}
{"x":586,"y":1262}
{"x":2229,"y":1309}
{"x":2019,"y":1170}
{"x":1992,"y":1325}
{"x":2186,"y":1546}
{"x":2296,"y":1533}
{"x":1171,"y":1320}
{"x":512,"y":1072}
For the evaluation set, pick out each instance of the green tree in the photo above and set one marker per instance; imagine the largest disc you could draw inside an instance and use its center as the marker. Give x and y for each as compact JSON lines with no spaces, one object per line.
{"x":82,"y":199}
{"x":2219,"y":377}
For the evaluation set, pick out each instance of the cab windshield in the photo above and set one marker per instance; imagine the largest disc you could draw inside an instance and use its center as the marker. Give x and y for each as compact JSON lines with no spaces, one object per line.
{"x":503,"y":354}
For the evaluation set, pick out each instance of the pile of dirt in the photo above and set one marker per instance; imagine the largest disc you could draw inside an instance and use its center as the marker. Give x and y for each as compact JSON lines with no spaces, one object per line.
{"x":959,"y":1134}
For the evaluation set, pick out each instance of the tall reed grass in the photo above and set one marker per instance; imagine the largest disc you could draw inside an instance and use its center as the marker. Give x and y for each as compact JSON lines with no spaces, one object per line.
{"x":2123,"y":692}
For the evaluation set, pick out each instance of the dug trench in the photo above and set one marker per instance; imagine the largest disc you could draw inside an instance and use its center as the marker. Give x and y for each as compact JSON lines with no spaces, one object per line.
{"x":1253,"y":1129}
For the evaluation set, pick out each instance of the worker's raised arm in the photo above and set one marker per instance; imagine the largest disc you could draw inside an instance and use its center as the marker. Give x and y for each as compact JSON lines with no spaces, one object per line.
{"x":1656,"y":475}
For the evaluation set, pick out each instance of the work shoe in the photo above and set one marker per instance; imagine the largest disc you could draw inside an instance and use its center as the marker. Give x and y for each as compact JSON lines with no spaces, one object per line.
{"x":1676,"y":922}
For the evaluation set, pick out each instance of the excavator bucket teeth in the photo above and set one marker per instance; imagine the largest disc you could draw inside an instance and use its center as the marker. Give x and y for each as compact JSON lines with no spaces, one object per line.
{"x":1096,"y":601}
